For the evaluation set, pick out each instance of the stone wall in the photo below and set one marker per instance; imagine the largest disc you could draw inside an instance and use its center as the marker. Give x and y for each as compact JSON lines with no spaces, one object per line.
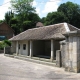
{"x":72,"y":52}
{"x":69,"y":54}
{"x":7,"y":50}
{"x":1,"y":51}
{"x":60,"y":55}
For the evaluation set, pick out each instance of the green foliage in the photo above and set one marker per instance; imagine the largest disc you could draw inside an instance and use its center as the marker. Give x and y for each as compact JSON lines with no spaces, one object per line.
{"x":24,"y":16}
{"x":72,"y":12}
{"x":22,"y":6}
{"x":67,"y":12}
{"x":1,"y":21}
{"x":8,"y":16}
{"x":4,"y":43}
{"x":43,"y":20}
{"x":7,"y":43}
{"x":55,"y":17}
{"x":1,"y":46}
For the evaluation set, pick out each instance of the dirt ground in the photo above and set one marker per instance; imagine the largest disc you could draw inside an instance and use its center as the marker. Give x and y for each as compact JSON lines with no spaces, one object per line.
{"x":15,"y":69}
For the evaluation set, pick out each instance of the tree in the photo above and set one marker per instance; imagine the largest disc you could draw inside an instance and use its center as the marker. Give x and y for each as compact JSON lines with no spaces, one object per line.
{"x":22,"y":6}
{"x":43,"y":20}
{"x":1,"y":21}
{"x":55,"y":17}
{"x":72,"y":12}
{"x":8,"y":16}
{"x":4,"y":43}
{"x":25,"y":14}
{"x":11,"y":20}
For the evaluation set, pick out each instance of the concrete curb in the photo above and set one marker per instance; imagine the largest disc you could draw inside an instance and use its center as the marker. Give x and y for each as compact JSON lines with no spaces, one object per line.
{"x":32,"y":60}
{"x":36,"y":61}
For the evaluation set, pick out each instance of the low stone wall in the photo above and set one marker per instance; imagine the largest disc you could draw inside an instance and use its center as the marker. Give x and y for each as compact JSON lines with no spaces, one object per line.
{"x":60,"y":55}
{"x":1,"y":51}
{"x":7,"y":50}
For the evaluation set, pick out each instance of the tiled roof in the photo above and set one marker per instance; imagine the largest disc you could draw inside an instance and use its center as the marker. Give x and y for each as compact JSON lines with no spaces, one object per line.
{"x":55,"y":31}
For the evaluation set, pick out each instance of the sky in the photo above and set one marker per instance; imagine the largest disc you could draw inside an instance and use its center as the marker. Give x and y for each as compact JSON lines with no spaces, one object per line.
{"x":43,"y":7}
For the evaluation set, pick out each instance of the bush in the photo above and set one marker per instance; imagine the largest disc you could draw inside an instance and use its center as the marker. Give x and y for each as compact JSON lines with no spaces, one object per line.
{"x":1,"y":46}
{"x":4,"y":43}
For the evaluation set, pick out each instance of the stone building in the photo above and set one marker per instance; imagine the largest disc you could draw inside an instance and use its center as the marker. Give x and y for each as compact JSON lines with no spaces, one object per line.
{"x":72,"y":51}
{"x":44,"y":42}
{"x":6,"y":31}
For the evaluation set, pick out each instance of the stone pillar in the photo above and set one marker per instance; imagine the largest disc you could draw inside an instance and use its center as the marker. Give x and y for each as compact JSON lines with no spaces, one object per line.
{"x":63,"y":48}
{"x":4,"y":51}
{"x":17,"y":48}
{"x":58,"y":58}
{"x":31,"y":48}
{"x":72,"y":54}
{"x":52,"y":50}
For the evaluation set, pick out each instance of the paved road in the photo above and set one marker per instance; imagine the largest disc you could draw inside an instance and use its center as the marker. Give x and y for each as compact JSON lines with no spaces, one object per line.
{"x":14,"y":69}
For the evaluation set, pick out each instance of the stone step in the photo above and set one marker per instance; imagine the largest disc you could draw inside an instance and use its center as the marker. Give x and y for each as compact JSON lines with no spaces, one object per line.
{"x":9,"y":55}
{"x":36,"y":61}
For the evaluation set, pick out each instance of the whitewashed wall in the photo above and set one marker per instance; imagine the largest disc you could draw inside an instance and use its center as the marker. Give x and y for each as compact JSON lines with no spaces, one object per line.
{"x":21,"y":51}
{"x":13,"y":47}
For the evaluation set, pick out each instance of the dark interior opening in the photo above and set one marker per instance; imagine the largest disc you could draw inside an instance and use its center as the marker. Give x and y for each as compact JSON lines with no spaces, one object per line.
{"x":42,"y":48}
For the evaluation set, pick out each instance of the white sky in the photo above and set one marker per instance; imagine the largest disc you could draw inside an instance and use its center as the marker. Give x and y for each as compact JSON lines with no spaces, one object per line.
{"x":45,"y":7}
{"x":42,"y":6}
{"x":4,"y":9}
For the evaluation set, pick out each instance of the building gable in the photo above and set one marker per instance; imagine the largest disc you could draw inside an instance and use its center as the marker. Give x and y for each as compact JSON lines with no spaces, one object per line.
{"x":6,"y":30}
